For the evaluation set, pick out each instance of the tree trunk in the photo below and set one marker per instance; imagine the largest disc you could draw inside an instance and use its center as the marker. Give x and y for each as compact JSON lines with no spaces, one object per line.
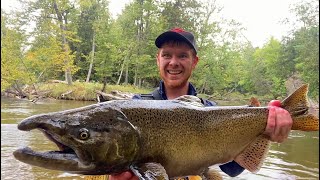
{"x":68,"y":76}
{"x":135,"y":76}
{"x":104,"y":84}
{"x":63,"y":28}
{"x":127,"y":74}
{"x":122,"y":67}
{"x":140,"y":82}
{"x":91,"y":62}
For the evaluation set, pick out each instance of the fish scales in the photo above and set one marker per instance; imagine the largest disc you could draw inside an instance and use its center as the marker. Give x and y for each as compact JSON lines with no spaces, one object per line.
{"x":159,"y":139}
{"x":183,"y":130}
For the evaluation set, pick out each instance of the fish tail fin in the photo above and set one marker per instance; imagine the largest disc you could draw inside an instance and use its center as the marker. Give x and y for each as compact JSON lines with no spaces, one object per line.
{"x":304,"y":119}
{"x":303,"y":116}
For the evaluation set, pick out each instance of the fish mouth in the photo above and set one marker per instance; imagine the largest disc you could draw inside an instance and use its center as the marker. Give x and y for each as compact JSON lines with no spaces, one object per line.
{"x":75,"y":154}
{"x":68,"y":158}
{"x":64,"y":159}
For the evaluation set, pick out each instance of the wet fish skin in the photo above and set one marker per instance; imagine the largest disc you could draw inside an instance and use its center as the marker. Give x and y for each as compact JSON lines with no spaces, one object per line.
{"x":173,"y":136}
{"x":107,"y":146}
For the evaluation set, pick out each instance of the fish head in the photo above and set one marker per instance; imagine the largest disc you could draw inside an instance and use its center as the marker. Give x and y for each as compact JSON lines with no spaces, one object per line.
{"x":91,"y":140}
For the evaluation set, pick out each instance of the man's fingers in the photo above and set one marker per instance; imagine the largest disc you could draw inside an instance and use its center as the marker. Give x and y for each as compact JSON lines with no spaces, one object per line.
{"x":124,"y":176}
{"x":275,"y":103}
{"x":271,"y":124}
{"x":284,"y":124}
{"x":279,"y":124}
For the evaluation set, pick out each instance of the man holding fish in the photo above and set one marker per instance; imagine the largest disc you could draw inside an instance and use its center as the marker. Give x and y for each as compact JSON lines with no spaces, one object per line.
{"x":176,"y":59}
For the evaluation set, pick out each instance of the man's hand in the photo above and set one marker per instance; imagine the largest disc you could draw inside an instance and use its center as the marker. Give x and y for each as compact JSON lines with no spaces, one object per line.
{"x":128,"y":175}
{"x":279,"y":122}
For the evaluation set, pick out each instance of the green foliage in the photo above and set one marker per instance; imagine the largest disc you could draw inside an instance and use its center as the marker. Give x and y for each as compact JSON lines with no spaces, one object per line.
{"x":13,"y":69}
{"x":268,"y":61}
{"x":303,"y":47}
{"x":92,"y":25}
{"x":307,"y":59}
{"x":70,"y":36}
{"x":46,"y":58}
{"x":52,"y":21}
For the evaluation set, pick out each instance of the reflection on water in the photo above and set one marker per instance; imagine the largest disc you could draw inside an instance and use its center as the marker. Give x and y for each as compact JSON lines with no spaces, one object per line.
{"x":13,"y":110}
{"x":297,"y":158}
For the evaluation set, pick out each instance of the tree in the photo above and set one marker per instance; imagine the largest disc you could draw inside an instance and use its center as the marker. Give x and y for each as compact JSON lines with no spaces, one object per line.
{"x":302,"y":45}
{"x":53,"y":16}
{"x":14,"y":72}
{"x":139,"y":24}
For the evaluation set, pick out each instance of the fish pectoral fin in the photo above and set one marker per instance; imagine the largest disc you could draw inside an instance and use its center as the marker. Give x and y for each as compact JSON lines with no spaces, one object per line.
{"x":193,"y":177}
{"x":254,"y":155}
{"x":150,"y":171}
{"x":189,"y":100}
{"x":96,"y":177}
{"x":211,"y":174}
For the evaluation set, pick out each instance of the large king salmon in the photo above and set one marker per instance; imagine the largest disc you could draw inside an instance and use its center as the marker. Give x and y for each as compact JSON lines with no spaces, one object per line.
{"x":159,"y":139}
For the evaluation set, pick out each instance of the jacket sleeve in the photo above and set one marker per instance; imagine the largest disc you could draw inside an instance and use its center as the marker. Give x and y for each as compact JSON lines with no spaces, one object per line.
{"x":136,"y":96}
{"x":232,"y":168}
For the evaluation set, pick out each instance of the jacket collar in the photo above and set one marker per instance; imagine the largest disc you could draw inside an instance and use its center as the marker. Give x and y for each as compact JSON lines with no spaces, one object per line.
{"x":191,"y":90}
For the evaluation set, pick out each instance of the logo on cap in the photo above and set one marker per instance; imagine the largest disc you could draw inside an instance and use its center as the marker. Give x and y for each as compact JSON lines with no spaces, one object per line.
{"x":177,"y":30}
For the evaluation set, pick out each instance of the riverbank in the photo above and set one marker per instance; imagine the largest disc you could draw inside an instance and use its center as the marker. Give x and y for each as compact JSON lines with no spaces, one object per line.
{"x":82,"y":91}
{"x":79,"y":91}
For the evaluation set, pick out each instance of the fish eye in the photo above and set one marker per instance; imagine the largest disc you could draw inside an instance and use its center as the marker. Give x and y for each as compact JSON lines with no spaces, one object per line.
{"x":84,"y":134}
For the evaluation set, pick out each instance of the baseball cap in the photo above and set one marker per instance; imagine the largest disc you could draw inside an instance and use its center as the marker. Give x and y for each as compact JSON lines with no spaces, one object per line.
{"x":176,"y":34}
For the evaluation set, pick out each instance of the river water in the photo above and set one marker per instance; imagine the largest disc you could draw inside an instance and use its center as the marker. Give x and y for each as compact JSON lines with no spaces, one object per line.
{"x":296,"y":158}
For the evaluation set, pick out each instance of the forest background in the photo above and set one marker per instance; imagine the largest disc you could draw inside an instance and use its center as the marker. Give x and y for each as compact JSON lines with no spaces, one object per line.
{"x":80,"y":41}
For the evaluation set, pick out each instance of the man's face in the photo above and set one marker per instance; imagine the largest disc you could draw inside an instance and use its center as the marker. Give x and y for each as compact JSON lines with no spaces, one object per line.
{"x":176,"y":62}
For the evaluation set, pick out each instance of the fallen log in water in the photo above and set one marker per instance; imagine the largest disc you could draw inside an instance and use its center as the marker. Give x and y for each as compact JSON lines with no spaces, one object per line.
{"x":115,"y":95}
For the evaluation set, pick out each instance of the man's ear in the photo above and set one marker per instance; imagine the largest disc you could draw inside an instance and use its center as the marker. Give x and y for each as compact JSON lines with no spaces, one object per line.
{"x":195,"y":62}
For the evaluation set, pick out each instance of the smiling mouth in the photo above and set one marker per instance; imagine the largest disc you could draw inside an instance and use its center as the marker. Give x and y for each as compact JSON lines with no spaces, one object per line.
{"x":174,"y":72}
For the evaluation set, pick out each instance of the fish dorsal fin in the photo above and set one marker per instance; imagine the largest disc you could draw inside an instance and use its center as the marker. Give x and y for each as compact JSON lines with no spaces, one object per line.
{"x":254,"y":102}
{"x":254,"y":155}
{"x":189,"y":100}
